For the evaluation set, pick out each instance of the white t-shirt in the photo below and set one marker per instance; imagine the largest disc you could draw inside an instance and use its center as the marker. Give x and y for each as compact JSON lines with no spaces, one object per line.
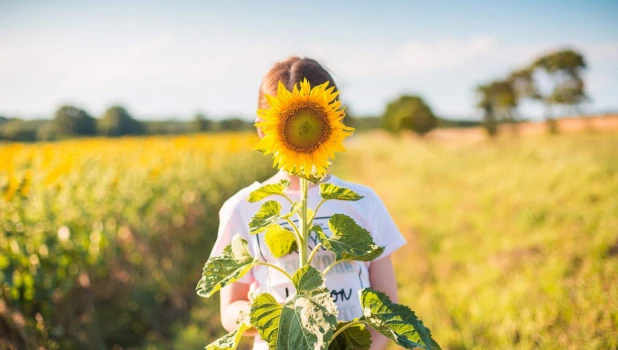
{"x":345,"y":279}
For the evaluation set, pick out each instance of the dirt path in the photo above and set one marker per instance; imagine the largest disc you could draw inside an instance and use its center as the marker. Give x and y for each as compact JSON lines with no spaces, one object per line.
{"x":599,"y":123}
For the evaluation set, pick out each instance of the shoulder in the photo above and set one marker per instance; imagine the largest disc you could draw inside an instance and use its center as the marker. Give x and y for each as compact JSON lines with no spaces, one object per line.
{"x":238,"y":201}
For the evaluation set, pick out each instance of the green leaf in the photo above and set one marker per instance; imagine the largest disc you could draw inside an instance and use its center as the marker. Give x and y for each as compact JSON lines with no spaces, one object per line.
{"x":268,"y":215}
{"x":307,"y":279}
{"x":268,"y":190}
{"x":265,"y":315}
{"x":229,"y":341}
{"x":312,"y":177}
{"x":349,"y":240}
{"x":330,"y":191}
{"x":280,"y":241}
{"x":356,"y":337}
{"x":231,"y":265}
{"x":306,"y":322}
{"x":395,"y":321}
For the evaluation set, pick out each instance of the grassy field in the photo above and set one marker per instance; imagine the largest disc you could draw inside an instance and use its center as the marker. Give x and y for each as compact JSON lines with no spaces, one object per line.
{"x":512,"y":243}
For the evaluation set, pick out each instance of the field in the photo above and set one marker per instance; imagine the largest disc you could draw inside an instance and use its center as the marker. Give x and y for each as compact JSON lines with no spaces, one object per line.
{"x":103,"y":240}
{"x":513,"y":243}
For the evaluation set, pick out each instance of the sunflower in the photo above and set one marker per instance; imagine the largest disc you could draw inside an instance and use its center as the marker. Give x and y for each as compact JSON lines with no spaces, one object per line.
{"x":303,"y":128}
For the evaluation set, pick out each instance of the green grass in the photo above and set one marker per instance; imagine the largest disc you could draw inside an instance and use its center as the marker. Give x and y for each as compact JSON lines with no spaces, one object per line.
{"x":513,"y":243}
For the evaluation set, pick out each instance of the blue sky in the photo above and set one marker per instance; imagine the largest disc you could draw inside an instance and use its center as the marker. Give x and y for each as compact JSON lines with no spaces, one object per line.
{"x":171,"y":59}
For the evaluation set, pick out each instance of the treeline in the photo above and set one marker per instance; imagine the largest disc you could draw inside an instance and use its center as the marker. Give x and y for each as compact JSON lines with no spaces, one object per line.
{"x":554,"y":79}
{"x":71,"y":121}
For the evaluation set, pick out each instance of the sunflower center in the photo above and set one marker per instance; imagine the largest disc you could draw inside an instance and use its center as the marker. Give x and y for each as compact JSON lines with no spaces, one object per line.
{"x":306,"y":129}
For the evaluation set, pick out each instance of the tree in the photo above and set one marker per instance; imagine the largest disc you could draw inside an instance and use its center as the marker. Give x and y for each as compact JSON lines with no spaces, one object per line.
{"x":20,"y":130}
{"x":234,"y":124}
{"x":564,"y":70}
{"x":487,"y":104}
{"x":118,"y":122}
{"x":506,"y":102}
{"x":46,"y":132}
{"x":408,"y":112}
{"x":499,"y":100}
{"x":70,"y":120}
{"x":200,"y":123}
{"x":367,"y":123}
{"x":524,"y":84}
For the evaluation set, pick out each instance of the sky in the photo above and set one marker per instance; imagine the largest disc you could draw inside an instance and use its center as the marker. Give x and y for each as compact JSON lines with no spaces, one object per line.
{"x":171,"y":59}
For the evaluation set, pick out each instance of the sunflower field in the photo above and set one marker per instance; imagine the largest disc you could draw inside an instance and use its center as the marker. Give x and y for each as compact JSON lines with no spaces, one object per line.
{"x":102,"y":240}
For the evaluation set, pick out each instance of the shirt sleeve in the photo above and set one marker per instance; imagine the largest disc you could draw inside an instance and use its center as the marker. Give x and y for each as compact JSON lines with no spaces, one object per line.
{"x":384,"y":230}
{"x":231,"y":223}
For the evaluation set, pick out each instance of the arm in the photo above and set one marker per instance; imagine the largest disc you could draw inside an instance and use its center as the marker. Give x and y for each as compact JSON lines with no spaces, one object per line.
{"x":382,"y":278}
{"x":234,"y":298}
{"x":234,"y":302}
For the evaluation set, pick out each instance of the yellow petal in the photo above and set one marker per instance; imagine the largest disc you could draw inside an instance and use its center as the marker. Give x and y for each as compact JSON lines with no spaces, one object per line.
{"x":298,"y":156}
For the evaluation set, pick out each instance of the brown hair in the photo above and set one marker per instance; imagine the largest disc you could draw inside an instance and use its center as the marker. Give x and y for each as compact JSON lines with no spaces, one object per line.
{"x":292,"y":71}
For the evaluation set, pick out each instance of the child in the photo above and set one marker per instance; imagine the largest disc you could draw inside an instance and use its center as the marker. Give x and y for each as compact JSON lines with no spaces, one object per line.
{"x":345,"y":279}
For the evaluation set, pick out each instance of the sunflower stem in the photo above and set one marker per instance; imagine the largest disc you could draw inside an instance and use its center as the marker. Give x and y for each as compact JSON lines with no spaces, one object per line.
{"x":326,"y":270}
{"x":288,"y":198}
{"x":315,"y":250}
{"x":297,"y":235}
{"x":303,"y":222}
{"x":276,"y":268}
{"x":351,"y":324}
{"x":315,"y":212}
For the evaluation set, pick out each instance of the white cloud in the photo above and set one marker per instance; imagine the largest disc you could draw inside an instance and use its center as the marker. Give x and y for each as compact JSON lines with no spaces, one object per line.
{"x":407,"y":57}
{"x":416,"y":56}
{"x":127,"y":65}
{"x":191,"y":72}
